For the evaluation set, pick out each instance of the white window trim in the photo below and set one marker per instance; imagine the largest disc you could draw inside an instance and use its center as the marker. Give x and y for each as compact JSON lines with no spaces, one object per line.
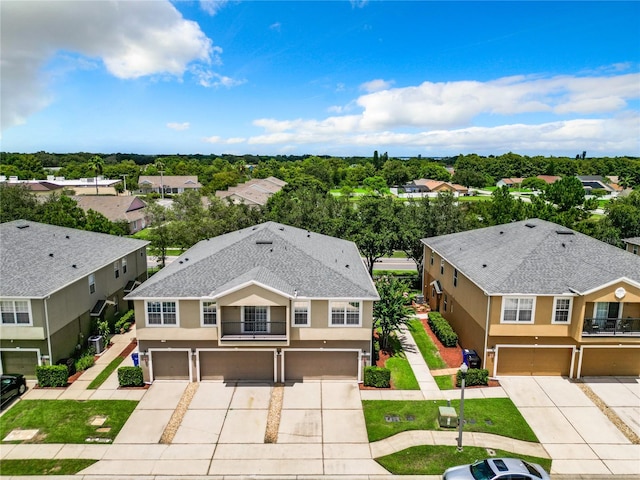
{"x":16,"y":324}
{"x":431,"y":258}
{"x":293,"y":314}
{"x":518,"y":322}
{"x":442,"y":266}
{"x":208,"y":325}
{"x":268,"y":330}
{"x":116,"y":269}
{"x":123,"y":265}
{"x":345,"y":325}
{"x":555,"y":308}
{"x":455,"y":277}
{"x":92,"y":282}
{"x":162,"y":324}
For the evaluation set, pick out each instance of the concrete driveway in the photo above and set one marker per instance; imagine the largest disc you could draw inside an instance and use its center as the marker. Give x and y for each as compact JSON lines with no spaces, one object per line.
{"x":322,"y":432}
{"x":577,"y":435}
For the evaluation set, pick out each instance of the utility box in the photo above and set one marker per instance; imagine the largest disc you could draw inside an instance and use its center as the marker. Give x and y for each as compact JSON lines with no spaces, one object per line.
{"x":97,"y":343}
{"x":447,"y":417}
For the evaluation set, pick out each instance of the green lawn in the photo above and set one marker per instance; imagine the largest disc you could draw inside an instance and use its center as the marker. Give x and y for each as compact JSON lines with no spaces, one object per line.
{"x":504,"y":417}
{"x":401,"y":373}
{"x":428,"y":350}
{"x":44,"y":466}
{"x":104,"y":374}
{"x":444,"y":382}
{"x":67,"y":421}
{"x":435,"y":459}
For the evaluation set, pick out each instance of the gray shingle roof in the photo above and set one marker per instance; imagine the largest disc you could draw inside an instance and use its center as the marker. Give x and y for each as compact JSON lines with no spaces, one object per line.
{"x":287,"y":259}
{"x":28,"y":269}
{"x":632,"y":240}
{"x":534,"y":257}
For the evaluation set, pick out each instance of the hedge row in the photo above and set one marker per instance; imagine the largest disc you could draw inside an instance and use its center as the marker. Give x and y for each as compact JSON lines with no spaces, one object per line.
{"x":125,"y":321}
{"x":475,"y":376}
{"x":442,"y":329}
{"x":130,"y":377}
{"x":52,"y":375}
{"x":377,"y":377}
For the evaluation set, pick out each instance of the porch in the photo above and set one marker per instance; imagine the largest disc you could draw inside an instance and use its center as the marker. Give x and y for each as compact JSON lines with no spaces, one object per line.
{"x":253,"y":330}
{"x":607,"y":327}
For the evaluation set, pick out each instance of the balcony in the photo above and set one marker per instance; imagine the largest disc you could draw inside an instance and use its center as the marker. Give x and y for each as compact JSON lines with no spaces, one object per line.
{"x":609,"y":327}
{"x":253,"y":330}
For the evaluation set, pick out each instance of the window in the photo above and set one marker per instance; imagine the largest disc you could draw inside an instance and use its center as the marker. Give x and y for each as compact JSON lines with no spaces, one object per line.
{"x":442,"y":266}
{"x":124,"y":266}
{"x":518,"y":309}
{"x":92,"y":283}
{"x":162,"y":313}
{"x":446,"y":302}
{"x":116,"y":269}
{"x":607,"y":310}
{"x":300,"y":314}
{"x":209,"y":313}
{"x":455,"y":277}
{"x":255,"y":319}
{"x":15,"y":312}
{"x":431,"y":260}
{"x":635,"y":249}
{"x":345,"y":314}
{"x":561,"y":310}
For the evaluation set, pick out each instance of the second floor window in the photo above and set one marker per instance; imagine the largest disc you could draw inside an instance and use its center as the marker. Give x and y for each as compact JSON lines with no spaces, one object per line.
{"x":455,"y":277}
{"x":300,"y":314}
{"x":562,"y":310}
{"x":442,"y":267}
{"x":345,"y":313}
{"x":517,"y":309}
{"x":162,"y":313}
{"x":209,"y":313}
{"x":15,"y":312}
{"x":124,"y":266}
{"x":92,"y":283}
{"x":116,"y":269}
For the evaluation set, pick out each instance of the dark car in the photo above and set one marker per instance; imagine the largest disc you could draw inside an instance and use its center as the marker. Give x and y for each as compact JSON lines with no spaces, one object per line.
{"x":13,"y":385}
{"x":497,"y":468}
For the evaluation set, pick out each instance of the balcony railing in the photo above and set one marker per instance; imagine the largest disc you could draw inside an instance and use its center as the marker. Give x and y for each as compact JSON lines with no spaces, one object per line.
{"x":253,"y":330}
{"x":611,"y":326}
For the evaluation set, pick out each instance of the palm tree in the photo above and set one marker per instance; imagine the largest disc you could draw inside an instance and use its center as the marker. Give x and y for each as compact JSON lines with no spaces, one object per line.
{"x":97,"y":165}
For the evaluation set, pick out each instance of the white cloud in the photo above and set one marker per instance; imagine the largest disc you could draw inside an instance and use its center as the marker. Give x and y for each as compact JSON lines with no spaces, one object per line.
{"x":209,"y":78}
{"x":275,"y":26}
{"x":376,"y":85}
{"x":224,"y":141}
{"x":358,"y":3}
{"x":212,"y":6}
{"x":178,"y":126}
{"x":132,"y":39}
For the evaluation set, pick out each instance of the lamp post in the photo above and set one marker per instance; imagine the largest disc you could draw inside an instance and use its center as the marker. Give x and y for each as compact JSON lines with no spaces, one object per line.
{"x":463,"y":370}
{"x":124,"y":177}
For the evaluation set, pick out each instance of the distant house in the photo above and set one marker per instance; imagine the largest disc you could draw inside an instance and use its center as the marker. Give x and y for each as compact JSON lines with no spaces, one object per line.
{"x":596,"y":182}
{"x":128,"y":209}
{"x":255,"y":192}
{"x":549,"y":179}
{"x":81,"y":186}
{"x":266,"y":303}
{"x":632,"y":245}
{"x":169,"y":183}
{"x":536,"y":298}
{"x":55,"y":282}
{"x":509,"y":182}
{"x":433,"y":187}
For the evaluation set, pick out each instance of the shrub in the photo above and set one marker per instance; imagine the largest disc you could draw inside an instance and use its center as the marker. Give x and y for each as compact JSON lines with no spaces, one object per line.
{"x":442,"y":330}
{"x":377,"y":377}
{"x":52,"y":375}
{"x":130,"y":377}
{"x":86,"y":361}
{"x":475,"y":376}
{"x":125,"y":321}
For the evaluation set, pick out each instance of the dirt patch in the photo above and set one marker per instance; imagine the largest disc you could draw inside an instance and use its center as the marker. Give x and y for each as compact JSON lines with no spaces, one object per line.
{"x":130,"y":348}
{"x":452,"y":356}
{"x":273,"y":418}
{"x":178,"y":414}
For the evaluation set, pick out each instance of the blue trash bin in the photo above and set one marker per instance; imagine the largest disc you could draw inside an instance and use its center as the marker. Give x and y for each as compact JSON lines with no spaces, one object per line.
{"x":471,"y":358}
{"x":136,"y":359}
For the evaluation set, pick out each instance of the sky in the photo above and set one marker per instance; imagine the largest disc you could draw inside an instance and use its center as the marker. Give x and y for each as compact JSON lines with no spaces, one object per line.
{"x":325,"y":78}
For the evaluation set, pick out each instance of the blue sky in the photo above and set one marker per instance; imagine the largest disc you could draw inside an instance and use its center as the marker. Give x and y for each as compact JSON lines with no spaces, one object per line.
{"x":330,"y":77}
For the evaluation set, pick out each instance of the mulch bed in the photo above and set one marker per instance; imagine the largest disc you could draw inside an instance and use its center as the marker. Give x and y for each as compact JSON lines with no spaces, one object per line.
{"x":452,"y":356}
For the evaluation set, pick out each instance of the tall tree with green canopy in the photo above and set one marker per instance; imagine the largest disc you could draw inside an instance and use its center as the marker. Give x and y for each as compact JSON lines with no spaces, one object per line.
{"x":97,"y":165}
{"x":391,"y":311}
{"x":17,"y":202}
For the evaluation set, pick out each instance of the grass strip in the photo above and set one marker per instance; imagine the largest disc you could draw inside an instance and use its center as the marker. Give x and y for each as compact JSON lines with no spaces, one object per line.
{"x":444,"y":382}
{"x":104,"y":374}
{"x":67,"y":421}
{"x":426,"y":346}
{"x":402,"y":375}
{"x":37,"y":466}
{"x":498,"y":416}
{"x":435,"y":459}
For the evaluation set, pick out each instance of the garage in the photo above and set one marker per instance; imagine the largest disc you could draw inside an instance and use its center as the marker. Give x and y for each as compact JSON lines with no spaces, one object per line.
{"x":541,"y":360}
{"x":20,"y":361}
{"x":321,"y":365}
{"x":237,"y":365}
{"x":608,"y":361}
{"x":170,"y":364}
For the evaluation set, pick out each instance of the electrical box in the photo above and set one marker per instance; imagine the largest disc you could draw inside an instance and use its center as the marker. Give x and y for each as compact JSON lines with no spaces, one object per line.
{"x":447,"y":417}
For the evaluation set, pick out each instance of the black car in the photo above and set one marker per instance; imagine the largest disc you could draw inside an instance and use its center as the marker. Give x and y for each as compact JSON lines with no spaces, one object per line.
{"x":13,"y":385}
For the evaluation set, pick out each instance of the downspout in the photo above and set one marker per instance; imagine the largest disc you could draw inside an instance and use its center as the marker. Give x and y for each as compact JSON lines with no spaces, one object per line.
{"x":46,"y":321}
{"x":486,"y":332}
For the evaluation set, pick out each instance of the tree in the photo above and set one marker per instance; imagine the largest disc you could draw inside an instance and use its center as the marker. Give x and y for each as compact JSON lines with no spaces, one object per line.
{"x":375,"y":185}
{"x":565,"y":193}
{"x":391,"y":311}
{"x":534,"y":183}
{"x":62,"y":211}
{"x":160,"y":231}
{"x":17,"y":203}
{"x":97,"y":165}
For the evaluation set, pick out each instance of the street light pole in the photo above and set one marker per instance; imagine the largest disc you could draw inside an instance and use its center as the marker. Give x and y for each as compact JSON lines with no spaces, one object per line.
{"x":463,"y":370}
{"x":124,"y":177}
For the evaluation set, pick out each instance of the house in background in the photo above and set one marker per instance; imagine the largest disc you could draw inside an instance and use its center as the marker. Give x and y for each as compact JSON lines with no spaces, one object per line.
{"x":255,"y":192}
{"x":266,"y":303}
{"x":81,"y":186}
{"x":632,"y":245}
{"x":55,"y":281}
{"x":129,"y":209}
{"x":428,"y":187}
{"x":170,"y":183}
{"x":597,"y":182}
{"x":533,"y":297}
{"x":509,"y":182}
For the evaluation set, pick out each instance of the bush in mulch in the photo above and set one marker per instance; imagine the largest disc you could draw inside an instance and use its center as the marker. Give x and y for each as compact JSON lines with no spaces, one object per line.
{"x":475,"y":376}
{"x":377,"y":377}
{"x":443,"y":330}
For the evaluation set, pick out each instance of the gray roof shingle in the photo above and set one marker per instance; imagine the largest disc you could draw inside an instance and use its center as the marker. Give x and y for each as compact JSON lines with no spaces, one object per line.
{"x":287,"y":259}
{"x":38,"y":259}
{"x":534,"y":257}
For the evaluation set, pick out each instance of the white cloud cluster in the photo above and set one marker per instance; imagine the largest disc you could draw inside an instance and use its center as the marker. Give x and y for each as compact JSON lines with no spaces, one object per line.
{"x":178,"y":126}
{"x":578,"y":112}
{"x":132,"y":39}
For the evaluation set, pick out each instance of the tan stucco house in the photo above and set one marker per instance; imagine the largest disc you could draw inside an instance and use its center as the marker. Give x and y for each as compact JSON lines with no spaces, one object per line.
{"x":122,"y":208}
{"x":533,"y":297}
{"x":270,"y":302}
{"x":169,"y":183}
{"x":55,"y":280}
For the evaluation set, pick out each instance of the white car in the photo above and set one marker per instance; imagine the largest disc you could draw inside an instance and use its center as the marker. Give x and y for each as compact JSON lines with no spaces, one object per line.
{"x":496,"y":469}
